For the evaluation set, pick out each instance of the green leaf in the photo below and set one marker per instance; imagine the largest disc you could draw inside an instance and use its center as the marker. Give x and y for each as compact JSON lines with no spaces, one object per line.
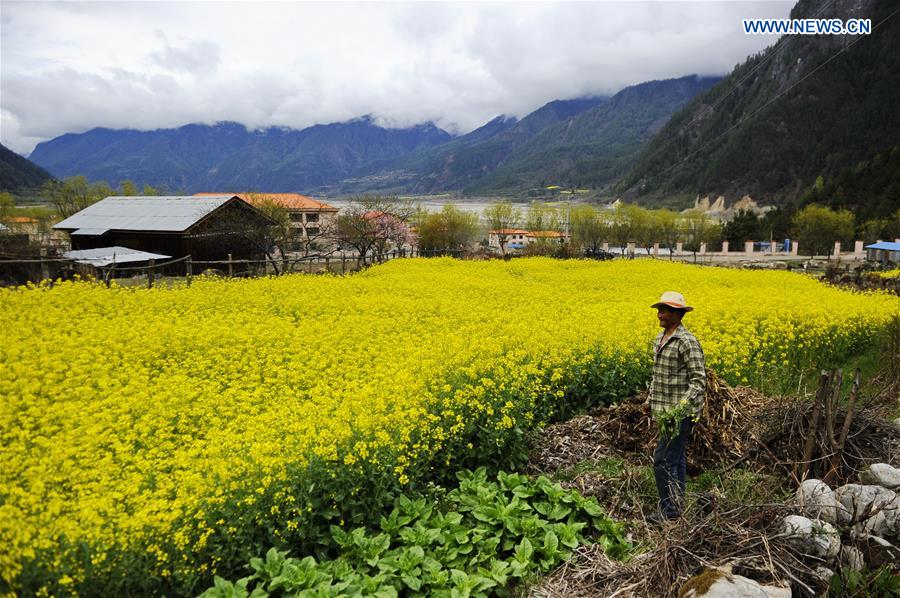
{"x":524,"y":551}
{"x":551,"y":543}
{"x":412,"y":582}
{"x":459,"y":578}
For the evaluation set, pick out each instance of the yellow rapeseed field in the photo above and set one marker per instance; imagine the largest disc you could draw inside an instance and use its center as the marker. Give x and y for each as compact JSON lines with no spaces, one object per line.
{"x":151,"y":429}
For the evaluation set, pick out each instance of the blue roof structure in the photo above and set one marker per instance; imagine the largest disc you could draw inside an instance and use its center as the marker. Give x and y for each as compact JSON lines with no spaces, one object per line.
{"x":885,"y":245}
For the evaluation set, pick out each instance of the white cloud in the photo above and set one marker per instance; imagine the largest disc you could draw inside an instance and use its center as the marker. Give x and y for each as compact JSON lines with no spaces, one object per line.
{"x":72,"y":66}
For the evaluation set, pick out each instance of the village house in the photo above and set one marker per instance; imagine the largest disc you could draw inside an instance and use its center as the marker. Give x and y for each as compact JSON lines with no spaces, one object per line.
{"x":517,"y":238}
{"x":885,"y":252}
{"x":206,"y":228}
{"x":310,"y":218}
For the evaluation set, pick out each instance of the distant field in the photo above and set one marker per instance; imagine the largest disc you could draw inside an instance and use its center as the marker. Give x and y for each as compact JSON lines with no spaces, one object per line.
{"x":151,"y":437}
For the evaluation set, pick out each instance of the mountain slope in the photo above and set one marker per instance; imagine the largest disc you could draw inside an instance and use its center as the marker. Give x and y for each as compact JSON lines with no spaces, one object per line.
{"x":228,"y":156}
{"x":18,"y":174}
{"x":466,"y":159}
{"x":582,"y":142}
{"x":596,"y":145}
{"x":807,"y":106}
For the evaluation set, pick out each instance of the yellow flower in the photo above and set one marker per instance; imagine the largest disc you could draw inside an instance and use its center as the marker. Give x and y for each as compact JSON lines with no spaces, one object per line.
{"x":128,"y":416}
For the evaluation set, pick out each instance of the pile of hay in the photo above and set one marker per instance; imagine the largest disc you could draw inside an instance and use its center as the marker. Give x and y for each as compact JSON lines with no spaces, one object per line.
{"x":724,"y":432}
{"x":744,"y":537}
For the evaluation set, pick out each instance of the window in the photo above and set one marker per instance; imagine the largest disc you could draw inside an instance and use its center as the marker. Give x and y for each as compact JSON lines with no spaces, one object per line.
{"x":296,"y":217}
{"x":312,"y":217}
{"x":312,"y":231}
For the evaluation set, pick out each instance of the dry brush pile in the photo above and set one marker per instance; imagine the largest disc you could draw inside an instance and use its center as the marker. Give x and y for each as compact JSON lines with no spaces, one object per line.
{"x":780,"y":438}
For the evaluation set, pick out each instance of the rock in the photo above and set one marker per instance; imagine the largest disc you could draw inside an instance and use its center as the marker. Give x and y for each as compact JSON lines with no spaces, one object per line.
{"x":881,"y":474}
{"x":852,"y":558}
{"x":824,"y":573}
{"x":817,"y":500}
{"x":897,"y":422}
{"x":816,"y":538}
{"x":722,"y":583}
{"x":870,"y":509}
{"x":877,"y":551}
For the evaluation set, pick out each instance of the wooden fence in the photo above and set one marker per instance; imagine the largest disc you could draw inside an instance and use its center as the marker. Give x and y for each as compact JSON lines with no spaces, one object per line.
{"x":21,"y":270}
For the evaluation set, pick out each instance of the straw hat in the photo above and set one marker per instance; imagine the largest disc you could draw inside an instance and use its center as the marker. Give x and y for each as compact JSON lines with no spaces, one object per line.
{"x":673,"y":299}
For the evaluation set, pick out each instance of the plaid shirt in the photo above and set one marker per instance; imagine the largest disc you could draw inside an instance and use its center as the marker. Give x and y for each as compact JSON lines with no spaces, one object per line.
{"x":679,"y":371}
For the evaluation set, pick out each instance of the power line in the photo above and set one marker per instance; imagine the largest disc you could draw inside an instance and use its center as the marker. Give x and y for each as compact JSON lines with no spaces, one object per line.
{"x":758,"y":66}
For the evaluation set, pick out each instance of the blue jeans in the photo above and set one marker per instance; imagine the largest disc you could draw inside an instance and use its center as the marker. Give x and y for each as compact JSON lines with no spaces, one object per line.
{"x":669,"y":468}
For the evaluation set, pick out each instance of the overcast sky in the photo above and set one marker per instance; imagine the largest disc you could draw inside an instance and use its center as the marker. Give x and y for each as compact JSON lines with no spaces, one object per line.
{"x":71,"y":66}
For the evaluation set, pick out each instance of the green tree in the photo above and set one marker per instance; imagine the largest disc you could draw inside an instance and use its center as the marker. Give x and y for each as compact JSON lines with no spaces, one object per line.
{"x":817,"y":227}
{"x":587,"y":228}
{"x":622,"y":225}
{"x":644,"y":226}
{"x":501,"y":217}
{"x":448,"y":230}
{"x":873,"y":229}
{"x":542,"y":217}
{"x":7,"y":206}
{"x":73,"y":194}
{"x":128,"y":188}
{"x":744,"y":226}
{"x":698,"y":228}
{"x":893,"y":228}
{"x":669,"y":229}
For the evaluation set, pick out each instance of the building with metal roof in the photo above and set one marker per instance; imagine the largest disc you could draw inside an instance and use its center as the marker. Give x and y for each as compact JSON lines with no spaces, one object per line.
{"x":153,"y":213}
{"x":206,"y":228}
{"x":310,"y":219}
{"x":884,"y":251}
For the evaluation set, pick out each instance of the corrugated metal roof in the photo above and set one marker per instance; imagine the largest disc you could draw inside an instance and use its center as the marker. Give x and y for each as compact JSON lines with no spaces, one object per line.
{"x":888,"y":245}
{"x":174,"y":213}
{"x":104,"y":256}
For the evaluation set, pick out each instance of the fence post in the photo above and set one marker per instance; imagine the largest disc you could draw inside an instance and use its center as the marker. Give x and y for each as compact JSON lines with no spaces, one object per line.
{"x":343,"y":263}
{"x":45,"y":270}
{"x":189,"y":270}
{"x":230,"y":267}
{"x":150,"y":265}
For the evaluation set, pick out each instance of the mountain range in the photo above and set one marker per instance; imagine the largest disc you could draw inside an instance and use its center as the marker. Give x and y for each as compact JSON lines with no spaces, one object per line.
{"x":580,"y":141}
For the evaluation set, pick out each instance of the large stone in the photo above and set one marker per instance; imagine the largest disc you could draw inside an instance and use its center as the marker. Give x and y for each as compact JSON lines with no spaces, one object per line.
{"x":817,"y":500}
{"x":721,"y":583}
{"x":870,"y":509}
{"x":881,"y":474}
{"x":815,"y":538}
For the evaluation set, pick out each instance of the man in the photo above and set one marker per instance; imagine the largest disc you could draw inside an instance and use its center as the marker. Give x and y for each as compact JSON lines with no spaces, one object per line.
{"x":679,"y":378}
